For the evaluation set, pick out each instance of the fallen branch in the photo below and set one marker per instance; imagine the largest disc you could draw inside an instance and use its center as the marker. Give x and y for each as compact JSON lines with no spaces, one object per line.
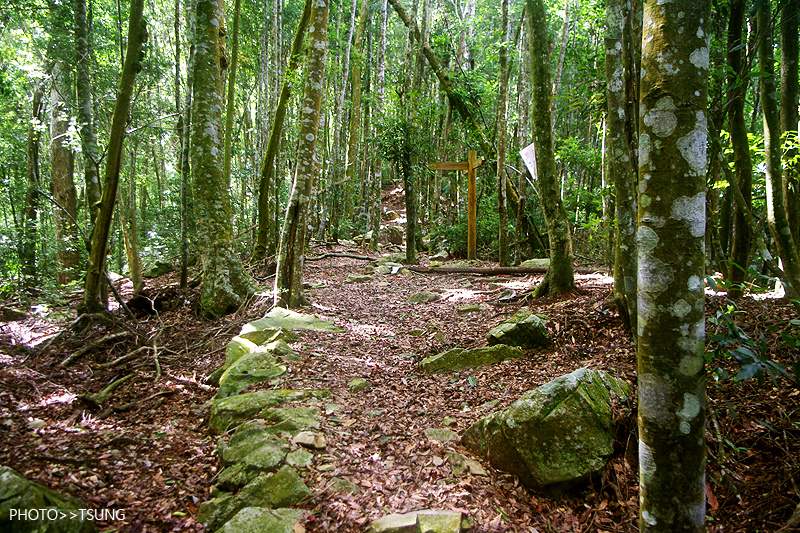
{"x":97,"y":400}
{"x":127,"y":357}
{"x":65,"y":460}
{"x":338,"y":254}
{"x":482,"y":271}
{"x":130,"y":405}
{"x":93,"y":345}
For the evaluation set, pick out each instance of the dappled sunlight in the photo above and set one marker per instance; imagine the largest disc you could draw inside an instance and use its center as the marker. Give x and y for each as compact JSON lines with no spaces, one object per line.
{"x":462,"y":294}
{"x":599,"y":278}
{"x":365,"y":331}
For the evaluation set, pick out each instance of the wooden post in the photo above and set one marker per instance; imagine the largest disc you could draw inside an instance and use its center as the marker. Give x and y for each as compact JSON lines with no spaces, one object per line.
{"x":471,"y":165}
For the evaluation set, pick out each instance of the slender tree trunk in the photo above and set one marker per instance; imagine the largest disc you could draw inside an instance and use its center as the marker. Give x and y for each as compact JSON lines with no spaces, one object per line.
{"x":502,"y":126}
{"x":266,"y":184}
{"x":559,"y":277}
{"x":130,"y":230}
{"x":743,"y":164}
{"x":289,"y":273}
{"x":137,"y":35}
{"x":619,"y":154}
{"x":231,"y":102}
{"x":62,"y":185}
{"x":355,"y":82}
{"x":380,"y":82}
{"x":671,"y":233}
{"x":776,"y":209}
{"x":185,"y":128}
{"x":790,"y":98}
{"x":28,"y":259}
{"x":83,"y":85}
{"x":226,"y":284}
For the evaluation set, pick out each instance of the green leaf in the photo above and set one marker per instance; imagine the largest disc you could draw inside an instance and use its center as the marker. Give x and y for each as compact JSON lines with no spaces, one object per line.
{"x":472,"y":381}
{"x":749,"y":371}
{"x":744,"y":355}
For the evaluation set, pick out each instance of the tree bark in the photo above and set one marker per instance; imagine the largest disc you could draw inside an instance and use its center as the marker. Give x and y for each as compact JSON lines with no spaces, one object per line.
{"x":776,"y":209}
{"x":502,"y":126}
{"x":265,"y":246}
{"x":62,"y":185}
{"x":559,"y":277}
{"x":231,"y":101}
{"x":289,"y":273}
{"x":742,"y":162}
{"x":790,"y":98}
{"x":226,"y":285}
{"x":83,"y":86}
{"x":671,"y":257}
{"x":137,"y":35}
{"x":28,"y":259}
{"x":130,"y":230}
{"x":620,"y":161}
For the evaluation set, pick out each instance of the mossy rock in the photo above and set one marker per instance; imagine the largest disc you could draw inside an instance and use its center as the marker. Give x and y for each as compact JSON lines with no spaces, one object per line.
{"x":251,"y":368}
{"x":524,"y":329}
{"x":358,"y":384}
{"x":280,"y":318}
{"x":359,"y":278}
{"x":230,"y":412}
{"x":554,"y":436}
{"x":459,"y":358}
{"x":260,"y":520}
{"x":159,"y":268}
{"x":20,"y":494}
{"x":536,"y":263}
{"x":424,"y":297}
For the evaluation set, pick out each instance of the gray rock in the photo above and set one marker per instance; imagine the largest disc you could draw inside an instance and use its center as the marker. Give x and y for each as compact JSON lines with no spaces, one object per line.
{"x":391,"y":215}
{"x":554,"y":436}
{"x":248,"y":438}
{"x":428,"y":521}
{"x":441,"y":255}
{"x":441,"y":434}
{"x":343,"y":486}
{"x":251,"y":368}
{"x":300,"y":457}
{"x":524,"y":329}
{"x":358,"y":384}
{"x":472,"y":308}
{"x":159,"y":268}
{"x":283,"y":488}
{"x":280,"y":318}
{"x":458,"y":358}
{"x":230,"y":412}
{"x":391,"y":235}
{"x":536,"y":263}
{"x":260,"y":520}
{"x":309,"y":439}
{"x":424,"y":297}
{"x":20,"y":494}
{"x":359,"y":278}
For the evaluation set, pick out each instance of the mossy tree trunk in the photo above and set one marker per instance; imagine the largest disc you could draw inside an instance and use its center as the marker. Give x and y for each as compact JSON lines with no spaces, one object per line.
{"x":83,"y":87}
{"x":559,"y":277}
{"x":742,"y":162}
{"x":619,"y":155}
{"x":790,"y":95}
{"x":94,"y":299}
{"x":28,"y":255}
{"x":502,"y":97}
{"x":671,"y":257}
{"x":289,"y":273}
{"x":226,"y":284}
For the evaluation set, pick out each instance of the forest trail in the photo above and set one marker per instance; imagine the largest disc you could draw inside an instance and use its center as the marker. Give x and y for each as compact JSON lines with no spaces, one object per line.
{"x":149,"y":453}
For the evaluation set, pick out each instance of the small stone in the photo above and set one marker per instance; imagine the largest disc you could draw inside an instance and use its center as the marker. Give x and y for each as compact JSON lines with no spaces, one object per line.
{"x":358,"y":384}
{"x":424,"y":297}
{"x":343,"y":486}
{"x":326,"y":468}
{"x":359,"y":278}
{"x":472,"y":308}
{"x":441,"y":434}
{"x":300,"y":457}
{"x":310,"y":439}
{"x":449,"y":421}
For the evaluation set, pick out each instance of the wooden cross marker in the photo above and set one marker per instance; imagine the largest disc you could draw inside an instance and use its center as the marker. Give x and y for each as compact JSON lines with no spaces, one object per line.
{"x":470,"y":165}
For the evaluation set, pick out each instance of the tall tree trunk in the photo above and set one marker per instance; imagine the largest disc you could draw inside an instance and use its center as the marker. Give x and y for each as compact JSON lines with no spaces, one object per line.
{"x":380,"y":82}
{"x":137,"y":35}
{"x":62,"y":185}
{"x":231,"y":103}
{"x":226,"y":284}
{"x":742,"y":163}
{"x":266,"y":185}
{"x":790,"y":97}
{"x":776,"y":209}
{"x":620,"y":160}
{"x":289,"y":273}
{"x":671,"y":234}
{"x":502,"y":126}
{"x":28,"y":259}
{"x":83,"y":85}
{"x":355,"y":83}
{"x":559,"y":277}
{"x":130,"y":229}
{"x":185,"y":127}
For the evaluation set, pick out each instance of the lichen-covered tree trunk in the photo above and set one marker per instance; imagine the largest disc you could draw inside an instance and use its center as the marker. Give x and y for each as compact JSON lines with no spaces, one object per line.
{"x":130,"y":230}
{"x":230,"y":109}
{"x":62,"y":184}
{"x":502,"y":97}
{"x":671,"y":240}
{"x":380,"y":82}
{"x":83,"y":86}
{"x":289,"y":273}
{"x":266,"y":184}
{"x":226,"y":284}
{"x":620,"y":159}
{"x":790,"y":96}
{"x":742,"y":162}
{"x":776,"y":209}
{"x":93,"y":298}
{"x":559,"y":277}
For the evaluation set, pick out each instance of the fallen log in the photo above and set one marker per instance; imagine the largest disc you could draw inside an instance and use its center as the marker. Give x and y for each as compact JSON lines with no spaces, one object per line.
{"x":489,"y":271}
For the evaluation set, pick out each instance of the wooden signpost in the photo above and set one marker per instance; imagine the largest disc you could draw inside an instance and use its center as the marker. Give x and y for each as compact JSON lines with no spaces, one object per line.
{"x":470,"y":165}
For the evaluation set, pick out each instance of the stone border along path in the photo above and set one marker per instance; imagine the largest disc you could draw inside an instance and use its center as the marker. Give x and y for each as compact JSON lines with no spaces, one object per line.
{"x":274,"y":434}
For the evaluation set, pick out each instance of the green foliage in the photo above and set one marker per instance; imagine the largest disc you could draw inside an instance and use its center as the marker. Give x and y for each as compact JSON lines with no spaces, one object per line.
{"x":455,"y":235}
{"x":730,"y":342}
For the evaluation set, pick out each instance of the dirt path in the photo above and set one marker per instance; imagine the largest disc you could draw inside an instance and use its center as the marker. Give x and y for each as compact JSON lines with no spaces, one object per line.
{"x":156,"y":462}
